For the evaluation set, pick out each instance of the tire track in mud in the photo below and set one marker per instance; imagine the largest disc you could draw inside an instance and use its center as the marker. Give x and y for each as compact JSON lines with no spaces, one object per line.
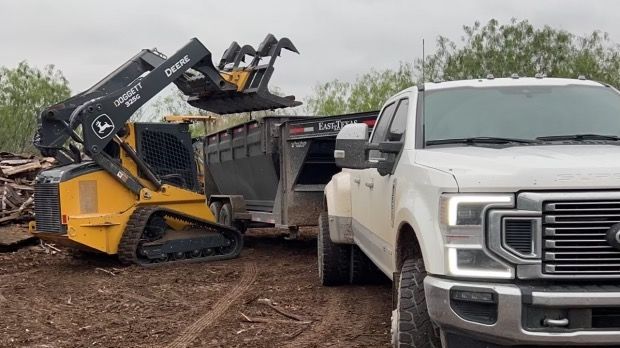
{"x":192,"y":331}
{"x":317,"y":334}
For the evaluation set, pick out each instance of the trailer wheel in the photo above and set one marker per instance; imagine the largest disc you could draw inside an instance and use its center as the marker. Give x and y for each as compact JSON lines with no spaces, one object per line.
{"x":226,"y":215}
{"x":411,"y":325}
{"x":363,"y":270}
{"x":333,"y":259}
{"x":215,"y":209}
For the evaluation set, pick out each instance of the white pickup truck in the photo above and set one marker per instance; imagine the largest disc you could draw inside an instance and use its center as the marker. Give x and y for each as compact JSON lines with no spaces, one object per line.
{"x":494,"y":207}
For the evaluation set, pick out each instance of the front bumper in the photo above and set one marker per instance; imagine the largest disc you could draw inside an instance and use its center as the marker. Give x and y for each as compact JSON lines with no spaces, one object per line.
{"x":512,"y":302}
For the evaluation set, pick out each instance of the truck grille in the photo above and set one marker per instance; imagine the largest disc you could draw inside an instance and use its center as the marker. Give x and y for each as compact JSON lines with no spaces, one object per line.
{"x":574,"y":238}
{"x":47,"y":207}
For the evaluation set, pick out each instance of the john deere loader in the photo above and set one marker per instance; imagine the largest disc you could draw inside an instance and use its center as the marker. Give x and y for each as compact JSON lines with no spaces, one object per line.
{"x":131,"y":189}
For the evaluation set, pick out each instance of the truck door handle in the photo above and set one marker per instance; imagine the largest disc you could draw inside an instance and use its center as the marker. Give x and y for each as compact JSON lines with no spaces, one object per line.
{"x":356,"y":180}
{"x":369,"y":184}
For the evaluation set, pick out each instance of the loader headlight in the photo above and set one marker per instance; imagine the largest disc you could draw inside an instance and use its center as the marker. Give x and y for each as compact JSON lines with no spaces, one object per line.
{"x":462,"y":226}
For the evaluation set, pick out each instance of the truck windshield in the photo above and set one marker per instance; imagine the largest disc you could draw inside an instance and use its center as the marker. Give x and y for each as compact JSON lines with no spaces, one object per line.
{"x":523,"y":113}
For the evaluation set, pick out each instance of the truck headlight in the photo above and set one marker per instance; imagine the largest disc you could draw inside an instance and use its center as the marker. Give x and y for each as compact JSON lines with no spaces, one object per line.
{"x":462,"y":226}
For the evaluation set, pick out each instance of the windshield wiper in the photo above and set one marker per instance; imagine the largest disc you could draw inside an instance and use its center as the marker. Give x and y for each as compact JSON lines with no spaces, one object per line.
{"x":578,"y":137}
{"x":480,"y":140}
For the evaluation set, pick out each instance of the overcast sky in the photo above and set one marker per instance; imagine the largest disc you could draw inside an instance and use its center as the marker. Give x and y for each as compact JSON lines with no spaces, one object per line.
{"x":336,"y":39}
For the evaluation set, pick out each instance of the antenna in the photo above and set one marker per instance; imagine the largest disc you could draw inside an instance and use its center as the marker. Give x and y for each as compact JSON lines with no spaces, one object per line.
{"x":423,"y":63}
{"x":421,"y":90}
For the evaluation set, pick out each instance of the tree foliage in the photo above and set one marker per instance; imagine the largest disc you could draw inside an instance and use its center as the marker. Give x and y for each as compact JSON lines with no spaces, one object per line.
{"x":493,"y":48}
{"x":520,"y":48}
{"x":368,"y":92}
{"x":24,"y":92}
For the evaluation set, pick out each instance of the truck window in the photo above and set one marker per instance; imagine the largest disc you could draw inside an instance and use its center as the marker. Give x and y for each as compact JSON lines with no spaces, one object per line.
{"x":399,"y":122}
{"x":524,"y":112}
{"x":381,"y":128}
{"x":396,"y":128}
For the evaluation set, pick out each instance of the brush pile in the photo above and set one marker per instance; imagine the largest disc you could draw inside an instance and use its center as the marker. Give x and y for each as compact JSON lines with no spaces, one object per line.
{"x":17,"y":173}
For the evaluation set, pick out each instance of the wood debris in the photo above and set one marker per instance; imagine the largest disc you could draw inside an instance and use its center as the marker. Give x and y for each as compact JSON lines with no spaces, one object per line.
{"x":17,"y":174}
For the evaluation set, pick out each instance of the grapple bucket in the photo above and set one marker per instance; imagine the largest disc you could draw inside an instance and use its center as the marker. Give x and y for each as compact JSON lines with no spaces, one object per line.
{"x":252,"y":92}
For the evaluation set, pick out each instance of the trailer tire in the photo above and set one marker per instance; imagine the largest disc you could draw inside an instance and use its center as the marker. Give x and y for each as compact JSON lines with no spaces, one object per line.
{"x":363,"y":270}
{"x":411,"y":324}
{"x":333,"y":259}
{"x":215,"y":209}
{"x":226,"y":215}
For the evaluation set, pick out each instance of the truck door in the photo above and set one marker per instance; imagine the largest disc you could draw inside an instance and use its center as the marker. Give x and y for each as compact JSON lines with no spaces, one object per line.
{"x":362,"y":188}
{"x":383,"y":188}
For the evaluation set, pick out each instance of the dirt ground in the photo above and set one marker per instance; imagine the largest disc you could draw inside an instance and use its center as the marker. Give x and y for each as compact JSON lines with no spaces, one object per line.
{"x":56,"y":300}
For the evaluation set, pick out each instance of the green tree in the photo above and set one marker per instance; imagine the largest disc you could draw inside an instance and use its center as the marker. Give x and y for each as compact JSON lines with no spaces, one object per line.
{"x":520,"y":48}
{"x":368,"y":92}
{"x":24,"y":92}
{"x":498,"y":49}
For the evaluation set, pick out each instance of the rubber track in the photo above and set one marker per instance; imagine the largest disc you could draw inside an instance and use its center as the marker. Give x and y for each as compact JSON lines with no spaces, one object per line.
{"x":219,"y":308}
{"x":133,"y":231}
{"x":137,"y":222}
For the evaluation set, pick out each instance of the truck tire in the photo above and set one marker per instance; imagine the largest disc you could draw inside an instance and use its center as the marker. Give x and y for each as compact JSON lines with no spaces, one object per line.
{"x":226,"y":215}
{"x":215,"y":209}
{"x":363,"y":270}
{"x":333,"y":259}
{"x":411,"y":325}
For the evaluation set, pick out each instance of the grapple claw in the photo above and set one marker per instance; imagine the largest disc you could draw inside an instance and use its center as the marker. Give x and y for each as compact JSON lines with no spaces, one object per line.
{"x":229,"y":55}
{"x":252,"y":92}
{"x":246,"y":50}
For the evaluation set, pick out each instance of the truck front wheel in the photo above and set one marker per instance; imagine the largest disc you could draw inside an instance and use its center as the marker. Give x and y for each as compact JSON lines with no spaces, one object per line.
{"x":333,"y":259}
{"x":411,"y":325}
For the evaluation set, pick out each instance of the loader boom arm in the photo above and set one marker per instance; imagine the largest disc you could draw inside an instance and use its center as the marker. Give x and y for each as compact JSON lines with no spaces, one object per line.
{"x":103,"y":109}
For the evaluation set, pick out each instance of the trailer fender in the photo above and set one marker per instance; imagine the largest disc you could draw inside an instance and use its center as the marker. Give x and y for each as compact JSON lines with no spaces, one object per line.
{"x":338,"y":206}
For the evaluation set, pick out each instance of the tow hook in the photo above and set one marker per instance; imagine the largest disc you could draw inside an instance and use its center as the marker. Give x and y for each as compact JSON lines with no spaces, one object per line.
{"x":555,"y":322}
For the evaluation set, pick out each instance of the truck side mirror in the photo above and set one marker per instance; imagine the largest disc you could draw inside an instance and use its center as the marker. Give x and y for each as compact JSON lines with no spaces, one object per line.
{"x":351,"y":143}
{"x":390,"y":150}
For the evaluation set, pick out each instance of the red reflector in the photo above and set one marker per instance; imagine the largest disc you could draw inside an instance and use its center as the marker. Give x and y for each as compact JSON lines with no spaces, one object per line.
{"x":297,"y":130}
{"x":64,"y":219}
{"x":370,"y":123}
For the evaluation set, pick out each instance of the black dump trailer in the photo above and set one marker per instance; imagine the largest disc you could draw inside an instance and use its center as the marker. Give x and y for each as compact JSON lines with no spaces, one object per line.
{"x":272,"y":171}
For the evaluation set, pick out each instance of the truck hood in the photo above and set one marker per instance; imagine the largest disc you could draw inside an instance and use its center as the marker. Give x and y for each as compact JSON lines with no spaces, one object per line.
{"x":541,"y":167}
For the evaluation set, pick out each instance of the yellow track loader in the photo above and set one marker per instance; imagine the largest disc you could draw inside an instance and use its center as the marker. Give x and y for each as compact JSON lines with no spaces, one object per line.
{"x":131,"y":189}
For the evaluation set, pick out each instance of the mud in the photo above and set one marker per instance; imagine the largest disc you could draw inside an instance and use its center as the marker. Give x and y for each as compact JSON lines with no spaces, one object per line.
{"x":53,"y":299}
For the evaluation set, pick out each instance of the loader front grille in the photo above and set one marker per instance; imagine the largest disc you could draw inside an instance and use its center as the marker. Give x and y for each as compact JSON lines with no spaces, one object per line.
{"x":574,"y":238}
{"x":47,"y":207}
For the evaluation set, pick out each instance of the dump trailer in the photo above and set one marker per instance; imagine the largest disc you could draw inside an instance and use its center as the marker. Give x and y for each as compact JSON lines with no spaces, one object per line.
{"x":131,"y":189}
{"x":272,"y":171}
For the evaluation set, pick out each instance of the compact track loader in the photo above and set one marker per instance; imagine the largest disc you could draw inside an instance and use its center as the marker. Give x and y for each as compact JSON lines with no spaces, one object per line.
{"x":131,"y":189}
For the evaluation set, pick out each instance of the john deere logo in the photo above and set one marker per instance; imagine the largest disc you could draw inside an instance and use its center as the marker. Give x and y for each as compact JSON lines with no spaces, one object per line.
{"x":103,"y":126}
